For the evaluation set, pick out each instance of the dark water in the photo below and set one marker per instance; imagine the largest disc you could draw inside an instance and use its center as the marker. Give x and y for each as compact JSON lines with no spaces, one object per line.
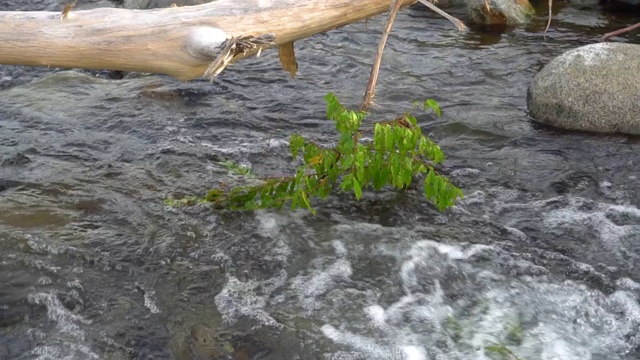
{"x":540,"y":256}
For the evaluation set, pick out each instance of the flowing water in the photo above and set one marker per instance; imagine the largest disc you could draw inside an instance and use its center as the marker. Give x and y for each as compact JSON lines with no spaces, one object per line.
{"x":537,"y":262}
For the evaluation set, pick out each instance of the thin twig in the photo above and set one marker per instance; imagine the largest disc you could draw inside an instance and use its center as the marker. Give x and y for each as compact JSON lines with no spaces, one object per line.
{"x":549,"y":20}
{"x":607,"y":36}
{"x":459,"y":24}
{"x":371,"y":87}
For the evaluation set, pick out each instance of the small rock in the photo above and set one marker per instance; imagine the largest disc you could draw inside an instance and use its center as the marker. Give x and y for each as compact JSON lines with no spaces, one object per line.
{"x":591,"y":88}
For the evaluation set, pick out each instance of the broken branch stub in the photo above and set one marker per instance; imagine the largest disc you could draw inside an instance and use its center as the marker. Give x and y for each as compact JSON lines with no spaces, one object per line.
{"x":236,"y":47}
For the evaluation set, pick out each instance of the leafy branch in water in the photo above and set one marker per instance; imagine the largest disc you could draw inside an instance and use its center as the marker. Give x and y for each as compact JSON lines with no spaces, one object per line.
{"x":397,"y":153}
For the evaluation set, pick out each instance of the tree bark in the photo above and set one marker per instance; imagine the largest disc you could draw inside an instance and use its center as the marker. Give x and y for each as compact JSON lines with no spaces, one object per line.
{"x":178,"y":41}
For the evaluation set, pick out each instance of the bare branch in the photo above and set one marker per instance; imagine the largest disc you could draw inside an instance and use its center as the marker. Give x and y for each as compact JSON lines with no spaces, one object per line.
{"x":373,"y":79}
{"x":627,"y":29}
{"x":459,"y":24}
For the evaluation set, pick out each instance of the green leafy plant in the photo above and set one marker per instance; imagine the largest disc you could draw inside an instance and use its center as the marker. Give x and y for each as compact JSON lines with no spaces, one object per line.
{"x":396,"y":153}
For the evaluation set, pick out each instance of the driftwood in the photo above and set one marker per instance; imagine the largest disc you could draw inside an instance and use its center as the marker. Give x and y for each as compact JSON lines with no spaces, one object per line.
{"x":180,"y":41}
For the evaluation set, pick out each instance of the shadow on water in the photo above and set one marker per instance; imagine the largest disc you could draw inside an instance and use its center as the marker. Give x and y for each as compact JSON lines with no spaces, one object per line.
{"x":539,"y":256}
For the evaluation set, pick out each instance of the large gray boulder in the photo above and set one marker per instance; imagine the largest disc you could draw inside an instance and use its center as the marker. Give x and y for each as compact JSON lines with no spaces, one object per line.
{"x":591,"y":88}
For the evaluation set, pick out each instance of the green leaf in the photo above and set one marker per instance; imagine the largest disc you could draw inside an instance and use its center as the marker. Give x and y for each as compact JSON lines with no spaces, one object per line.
{"x":295,"y":200}
{"x":347,"y":182}
{"x":429,"y":190}
{"x":407,"y":171}
{"x":346,"y":162}
{"x":376,"y":171}
{"x":411,"y":119}
{"x":378,"y":137}
{"x":357,"y":189}
{"x":398,"y":133}
{"x":389,"y":137}
{"x":432,"y":104}
{"x":345,"y":138}
{"x":395,"y":170}
{"x":305,"y":199}
{"x":295,"y":144}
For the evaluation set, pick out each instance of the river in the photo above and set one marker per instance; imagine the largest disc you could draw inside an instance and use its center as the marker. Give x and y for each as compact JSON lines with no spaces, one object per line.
{"x":539,"y":261}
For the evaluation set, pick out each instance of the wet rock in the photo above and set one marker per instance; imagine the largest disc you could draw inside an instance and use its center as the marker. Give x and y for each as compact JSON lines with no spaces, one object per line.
{"x":591,"y":88}
{"x":16,"y":160}
{"x":499,"y":12}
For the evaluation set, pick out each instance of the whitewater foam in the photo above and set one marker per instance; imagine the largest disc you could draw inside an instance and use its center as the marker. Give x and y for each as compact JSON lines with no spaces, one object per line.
{"x":66,"y":339}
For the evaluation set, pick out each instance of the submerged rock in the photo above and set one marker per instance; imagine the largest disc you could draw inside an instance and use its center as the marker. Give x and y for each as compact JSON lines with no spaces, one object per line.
{"x":198,"y":342}
{"x":499,"y":12}
{"x":15,"y":160}
{"x":591,"y":88}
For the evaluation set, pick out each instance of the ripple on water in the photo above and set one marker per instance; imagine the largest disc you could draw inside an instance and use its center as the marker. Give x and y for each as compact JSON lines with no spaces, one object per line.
{"x":593,"y":231}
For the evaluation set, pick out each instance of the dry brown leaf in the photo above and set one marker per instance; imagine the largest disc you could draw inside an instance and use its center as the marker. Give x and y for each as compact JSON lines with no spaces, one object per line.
{"x":288,"y":59}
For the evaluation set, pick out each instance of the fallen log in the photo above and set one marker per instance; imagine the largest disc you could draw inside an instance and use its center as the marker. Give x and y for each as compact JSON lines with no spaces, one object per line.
{"x":180,"y":41}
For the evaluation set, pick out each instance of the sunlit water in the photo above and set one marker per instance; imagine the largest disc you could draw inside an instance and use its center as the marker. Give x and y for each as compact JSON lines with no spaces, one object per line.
{"x":539,"y":260}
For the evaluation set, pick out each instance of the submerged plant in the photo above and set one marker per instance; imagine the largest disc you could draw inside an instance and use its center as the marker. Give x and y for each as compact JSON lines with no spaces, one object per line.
{"x":515,"y":333}
{"x":235,"y":168}
{"x":501,"y":351}
{"x":396,"y":154}
{"x":453,"y":327}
